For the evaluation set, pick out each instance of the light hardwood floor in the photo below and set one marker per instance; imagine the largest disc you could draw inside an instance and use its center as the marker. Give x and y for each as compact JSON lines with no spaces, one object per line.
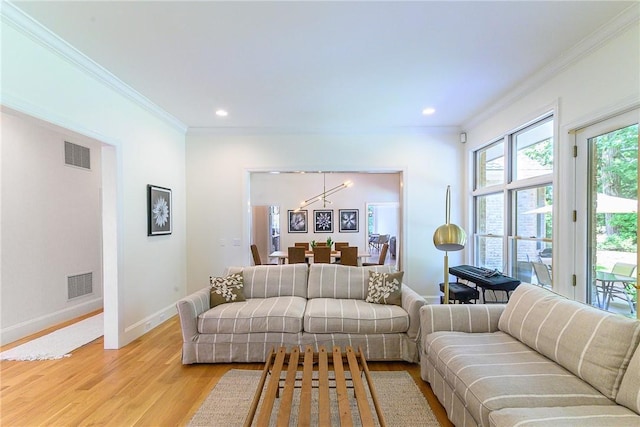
{"x":142,"y":384}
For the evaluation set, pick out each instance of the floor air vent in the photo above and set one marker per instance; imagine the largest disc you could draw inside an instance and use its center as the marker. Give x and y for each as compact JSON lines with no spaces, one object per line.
{"x":77,"y":155}
{"x":79,"y":285}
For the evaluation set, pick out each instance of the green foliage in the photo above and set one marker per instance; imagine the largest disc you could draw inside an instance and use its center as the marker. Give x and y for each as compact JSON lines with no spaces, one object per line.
{"x":541,"y":152}
{"x":614,"y":242}
{"x":617,"y":175}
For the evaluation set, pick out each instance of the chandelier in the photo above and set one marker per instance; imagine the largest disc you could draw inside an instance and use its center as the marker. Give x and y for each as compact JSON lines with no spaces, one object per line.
{"x":322,"y":197}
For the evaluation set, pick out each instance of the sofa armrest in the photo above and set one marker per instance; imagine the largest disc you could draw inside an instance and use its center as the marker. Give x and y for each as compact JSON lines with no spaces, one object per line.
{"x":189,"y":308}
{"x":411,"y":302}
{"x":460,"y":317}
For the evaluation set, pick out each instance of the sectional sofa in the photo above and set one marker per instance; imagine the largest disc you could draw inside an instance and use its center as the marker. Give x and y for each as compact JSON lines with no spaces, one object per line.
{"x":539,"y":360}
{"x":296,"y":305}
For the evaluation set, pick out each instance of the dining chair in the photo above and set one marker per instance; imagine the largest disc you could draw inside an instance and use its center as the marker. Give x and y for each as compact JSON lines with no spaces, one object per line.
{"x":349,"y":255}
{"x":321,"y":244}
{"x":256,"y":256}
{"x":296,"y":255}
{"x":619,"y":289}
{"x":381,"y":259}
{"x":304,"y":245}
{"x":384,"y":238}
{"x":321,"y":255}
{"x":338,"y":248}
{"x":340,"y":245}
{"x":542,"y":274}
{"x":373,"y":240}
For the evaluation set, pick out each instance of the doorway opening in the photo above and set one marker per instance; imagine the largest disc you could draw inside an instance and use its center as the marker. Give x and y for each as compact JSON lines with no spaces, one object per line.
{"x":383,"y":227}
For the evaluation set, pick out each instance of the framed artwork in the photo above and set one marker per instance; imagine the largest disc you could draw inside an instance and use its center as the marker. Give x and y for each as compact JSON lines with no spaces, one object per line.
{"x":348,"y":220}
{"x":159,"y":213}
{"x":323,"y":221}
{"x":297,"y":221}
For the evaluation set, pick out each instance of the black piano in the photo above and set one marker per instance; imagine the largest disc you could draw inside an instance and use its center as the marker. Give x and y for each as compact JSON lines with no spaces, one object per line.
{"x":485,"y":278}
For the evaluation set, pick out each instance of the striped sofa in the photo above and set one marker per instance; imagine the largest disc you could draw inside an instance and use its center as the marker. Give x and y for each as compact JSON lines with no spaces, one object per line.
{"x":296,"y":305}
{"x":539,"y":360}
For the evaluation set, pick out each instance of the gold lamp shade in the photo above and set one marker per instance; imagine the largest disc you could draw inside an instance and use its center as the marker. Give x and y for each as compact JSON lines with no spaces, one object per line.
{"x":449,"y":237}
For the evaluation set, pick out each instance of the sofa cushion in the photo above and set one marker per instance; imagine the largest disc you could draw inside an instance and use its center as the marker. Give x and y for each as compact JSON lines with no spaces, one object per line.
{"x":629,"y":394}
{"x":328,"y":315}
{"x":265,"y":281}
{"x":491,"y":371}
{"x":278,"y":314}
{"x":594,"y":345}
{"x":385,"y":288}
{"x":226,"y":289}
{"x":568,"y":416}
{"x":341,"y":281}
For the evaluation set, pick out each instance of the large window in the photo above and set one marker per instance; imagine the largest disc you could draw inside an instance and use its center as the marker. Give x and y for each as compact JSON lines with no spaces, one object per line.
{"x":513,"y":203}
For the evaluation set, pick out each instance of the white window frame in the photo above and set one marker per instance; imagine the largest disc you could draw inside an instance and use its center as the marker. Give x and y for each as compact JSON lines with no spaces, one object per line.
{"x":581,"y":137}
{"x":509,"y":187}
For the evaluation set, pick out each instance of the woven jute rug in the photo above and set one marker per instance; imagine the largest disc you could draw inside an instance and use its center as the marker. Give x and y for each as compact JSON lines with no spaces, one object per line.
{"x":402,"y":402}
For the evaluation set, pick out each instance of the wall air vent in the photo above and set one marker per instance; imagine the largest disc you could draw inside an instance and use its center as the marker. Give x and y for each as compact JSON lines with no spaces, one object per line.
{"x":79,"y":285}
{"x":77,"y":155}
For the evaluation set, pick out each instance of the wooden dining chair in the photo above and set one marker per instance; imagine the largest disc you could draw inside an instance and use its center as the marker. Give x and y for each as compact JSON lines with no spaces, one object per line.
{"x":340,"y":245}
{"x":256,"y":256}
{"x":297,"y":255}
{"x":304,"y":245}
{"x":321,"y":244}
{"x":349,"y":255}
{"x":321,"y":255}
{"x":338,"y":248}
{"x":381,"y":259}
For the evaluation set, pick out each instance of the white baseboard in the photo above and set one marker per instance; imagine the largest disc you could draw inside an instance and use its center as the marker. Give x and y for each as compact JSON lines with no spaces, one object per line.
{"x":140,"y":328}
{"x":29,"y":327}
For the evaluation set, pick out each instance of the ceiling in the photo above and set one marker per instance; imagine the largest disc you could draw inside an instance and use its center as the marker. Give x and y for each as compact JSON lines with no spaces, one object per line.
{"x":323,"y":65}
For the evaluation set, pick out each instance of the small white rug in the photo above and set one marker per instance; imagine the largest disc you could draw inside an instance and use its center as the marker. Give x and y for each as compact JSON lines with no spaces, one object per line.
{"x":60,"y":343}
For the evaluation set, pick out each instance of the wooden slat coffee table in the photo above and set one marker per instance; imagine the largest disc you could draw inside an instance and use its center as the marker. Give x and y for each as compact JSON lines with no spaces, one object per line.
{"x":322,"y":363}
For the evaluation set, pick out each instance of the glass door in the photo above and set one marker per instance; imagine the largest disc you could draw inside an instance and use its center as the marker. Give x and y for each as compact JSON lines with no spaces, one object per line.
{"x":611,"y":213}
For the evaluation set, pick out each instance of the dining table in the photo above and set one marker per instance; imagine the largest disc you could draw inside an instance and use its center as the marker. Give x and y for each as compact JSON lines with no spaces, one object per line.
{"x":608,"y":280}
{"x":284,"y":255}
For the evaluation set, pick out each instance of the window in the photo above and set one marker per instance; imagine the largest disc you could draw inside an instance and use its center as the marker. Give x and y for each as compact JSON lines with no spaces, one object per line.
{"x":490,"y":165}
{"x":513,"y":202}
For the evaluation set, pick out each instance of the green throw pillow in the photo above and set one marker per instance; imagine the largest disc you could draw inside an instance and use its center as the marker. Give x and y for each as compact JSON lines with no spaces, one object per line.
{"x":385,"y":288}
{"x":226,"y":289}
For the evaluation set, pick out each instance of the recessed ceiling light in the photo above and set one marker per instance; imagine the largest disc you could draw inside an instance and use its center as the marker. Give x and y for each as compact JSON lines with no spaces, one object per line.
{"x":428,"y":111}
{"x":222,"y":113}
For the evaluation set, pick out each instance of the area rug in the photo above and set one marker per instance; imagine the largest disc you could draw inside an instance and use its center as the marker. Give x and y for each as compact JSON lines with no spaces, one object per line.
{"x":59,"y":343}
{"x":402,"y":402}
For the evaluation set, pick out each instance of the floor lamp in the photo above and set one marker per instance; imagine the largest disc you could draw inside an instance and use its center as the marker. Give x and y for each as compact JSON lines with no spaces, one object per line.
{"x":448,"y":237}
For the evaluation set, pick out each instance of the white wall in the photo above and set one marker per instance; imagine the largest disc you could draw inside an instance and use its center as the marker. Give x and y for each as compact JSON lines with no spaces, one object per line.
{"x":218,"y":182}
{"x":149,"y":272}
{"x":51,"y":221}
{"x":385,"y":219}
{"x":601,"y":82}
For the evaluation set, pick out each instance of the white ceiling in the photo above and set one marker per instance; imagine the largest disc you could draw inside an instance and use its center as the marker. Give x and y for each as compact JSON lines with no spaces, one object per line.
{"x":323,"y":65}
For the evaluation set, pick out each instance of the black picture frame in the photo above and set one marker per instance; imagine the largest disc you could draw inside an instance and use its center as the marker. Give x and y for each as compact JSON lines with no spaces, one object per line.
{"x":159,"y":211}
{"x":349,"y":221}
{"x":297,"y":221}
{"x":323,"y":221}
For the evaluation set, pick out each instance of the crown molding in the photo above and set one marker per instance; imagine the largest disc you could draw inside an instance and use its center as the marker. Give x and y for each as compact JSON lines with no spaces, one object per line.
{"x":15,"y":17}
{"x":627,"y":18}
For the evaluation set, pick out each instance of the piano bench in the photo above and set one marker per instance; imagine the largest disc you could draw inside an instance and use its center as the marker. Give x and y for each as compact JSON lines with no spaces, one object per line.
{"x":461,"y":293}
